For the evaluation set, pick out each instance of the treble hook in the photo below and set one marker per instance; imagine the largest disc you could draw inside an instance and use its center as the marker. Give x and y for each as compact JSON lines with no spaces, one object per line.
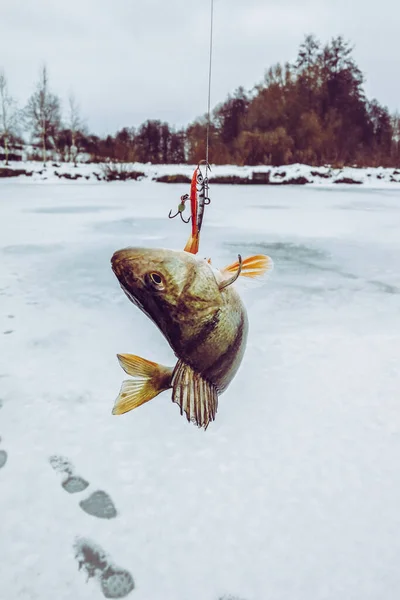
{"x":181,"y":208}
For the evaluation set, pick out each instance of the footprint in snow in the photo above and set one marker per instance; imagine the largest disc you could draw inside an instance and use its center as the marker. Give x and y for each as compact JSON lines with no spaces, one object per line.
{"x":98,"y":503}
{"x":3,"y":457}
{"x":3,"y":453}
{"x":114,"y":581}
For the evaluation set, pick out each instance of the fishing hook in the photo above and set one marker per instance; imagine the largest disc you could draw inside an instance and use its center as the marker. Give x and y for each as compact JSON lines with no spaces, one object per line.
{"x":232,"y":279}
{"x":181,"y":208}
{"x":205,"y":162}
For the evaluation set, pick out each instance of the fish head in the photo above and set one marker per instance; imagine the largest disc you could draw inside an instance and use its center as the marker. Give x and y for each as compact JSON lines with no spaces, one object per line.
{"x":170,"y":287}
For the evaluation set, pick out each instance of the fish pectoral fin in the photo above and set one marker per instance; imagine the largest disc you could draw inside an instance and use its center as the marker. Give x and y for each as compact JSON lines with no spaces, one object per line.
{"x":253,"y":266}
{"x":150,"y":380}
{"x":194,"y":395}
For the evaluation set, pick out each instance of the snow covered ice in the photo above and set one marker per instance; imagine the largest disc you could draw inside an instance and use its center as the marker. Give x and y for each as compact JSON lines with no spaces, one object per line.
{"x":292,"y":493}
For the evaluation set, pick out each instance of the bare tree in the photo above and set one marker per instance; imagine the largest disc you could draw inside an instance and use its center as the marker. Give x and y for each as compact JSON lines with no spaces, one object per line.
{"x":8,"y":115}
{"x":395,"y":122}
{"x":43,"y":113}
{"x":75,"y":125}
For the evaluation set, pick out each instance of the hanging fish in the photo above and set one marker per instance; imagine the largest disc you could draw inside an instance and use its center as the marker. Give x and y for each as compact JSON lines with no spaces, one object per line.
{"x":201,"y":315}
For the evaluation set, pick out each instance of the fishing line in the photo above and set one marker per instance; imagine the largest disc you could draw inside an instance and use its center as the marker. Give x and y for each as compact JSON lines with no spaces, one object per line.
{"x":199,"y":184}
{"x":209,"y":83}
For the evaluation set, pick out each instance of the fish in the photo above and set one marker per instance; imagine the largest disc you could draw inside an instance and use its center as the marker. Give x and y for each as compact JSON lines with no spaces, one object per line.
{"x":201,"y":315}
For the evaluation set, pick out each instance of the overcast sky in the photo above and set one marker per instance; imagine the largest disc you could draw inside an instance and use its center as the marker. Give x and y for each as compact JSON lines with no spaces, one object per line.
{"x":127,"y":61}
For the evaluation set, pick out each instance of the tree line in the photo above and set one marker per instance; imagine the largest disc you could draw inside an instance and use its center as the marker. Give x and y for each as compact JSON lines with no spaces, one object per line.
{"x":312,"y":111}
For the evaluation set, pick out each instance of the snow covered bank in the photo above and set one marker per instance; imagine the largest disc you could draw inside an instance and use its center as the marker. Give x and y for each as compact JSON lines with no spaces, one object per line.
{"x":296,"y":174}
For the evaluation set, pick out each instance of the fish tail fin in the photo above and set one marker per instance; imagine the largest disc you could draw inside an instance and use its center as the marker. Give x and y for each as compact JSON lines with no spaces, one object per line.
{"x":192,"y":245}
{"x":150,"y":379}
{"x":253,"y":266}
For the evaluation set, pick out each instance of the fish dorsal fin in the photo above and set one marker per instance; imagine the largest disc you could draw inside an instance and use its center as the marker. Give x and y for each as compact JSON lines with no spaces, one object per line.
{"x":194,"y":395}
{"x":253,"y":266}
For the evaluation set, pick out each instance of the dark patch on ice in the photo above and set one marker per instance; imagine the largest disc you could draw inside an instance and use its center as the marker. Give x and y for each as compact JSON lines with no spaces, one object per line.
{"x":65,"y":210}
{"x":271,"y":206}
{"x":115,"y":582}
{"x":290,"y":256}
{"x":100,"y":505}
{"x":10,"y":316}
{"x":1,"y":401}
{"x":285,"y":249}
{"x":23,"y":249}
{"x":8,"y":331}
{"x":229,"y":597}
{"x":3,"y":458}
{"x":368,"y":207}
{"x":74,"y":484}
{"x":385,"y":287}
{"x":83,"y":277}
{"x":284,"y":253}
{"x":130,"y":225}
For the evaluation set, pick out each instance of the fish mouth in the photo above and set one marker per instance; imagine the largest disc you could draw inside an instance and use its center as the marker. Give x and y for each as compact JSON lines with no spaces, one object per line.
{"x":119,"y":262}
{"x":125,"y":262}
{"x":123,"y":266}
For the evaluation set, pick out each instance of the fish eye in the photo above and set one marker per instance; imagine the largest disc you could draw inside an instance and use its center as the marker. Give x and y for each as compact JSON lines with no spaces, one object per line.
{"x":156,"y":278}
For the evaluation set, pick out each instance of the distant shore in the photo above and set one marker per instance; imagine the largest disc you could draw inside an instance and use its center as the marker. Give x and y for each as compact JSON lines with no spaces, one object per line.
{"x":296,"y":174}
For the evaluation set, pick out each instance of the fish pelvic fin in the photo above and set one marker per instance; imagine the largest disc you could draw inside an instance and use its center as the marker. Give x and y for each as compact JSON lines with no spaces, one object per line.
{"x":150,"y":379}
{"x":192,"y":245}
{"x":253,"y":266}
{"x":195,"y":396}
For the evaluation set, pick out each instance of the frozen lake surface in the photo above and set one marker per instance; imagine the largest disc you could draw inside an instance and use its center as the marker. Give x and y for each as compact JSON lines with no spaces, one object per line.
{"x":292,"y":493}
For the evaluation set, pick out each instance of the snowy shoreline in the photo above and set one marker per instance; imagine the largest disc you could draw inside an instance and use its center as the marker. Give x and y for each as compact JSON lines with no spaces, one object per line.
{"x":296,"y":174}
